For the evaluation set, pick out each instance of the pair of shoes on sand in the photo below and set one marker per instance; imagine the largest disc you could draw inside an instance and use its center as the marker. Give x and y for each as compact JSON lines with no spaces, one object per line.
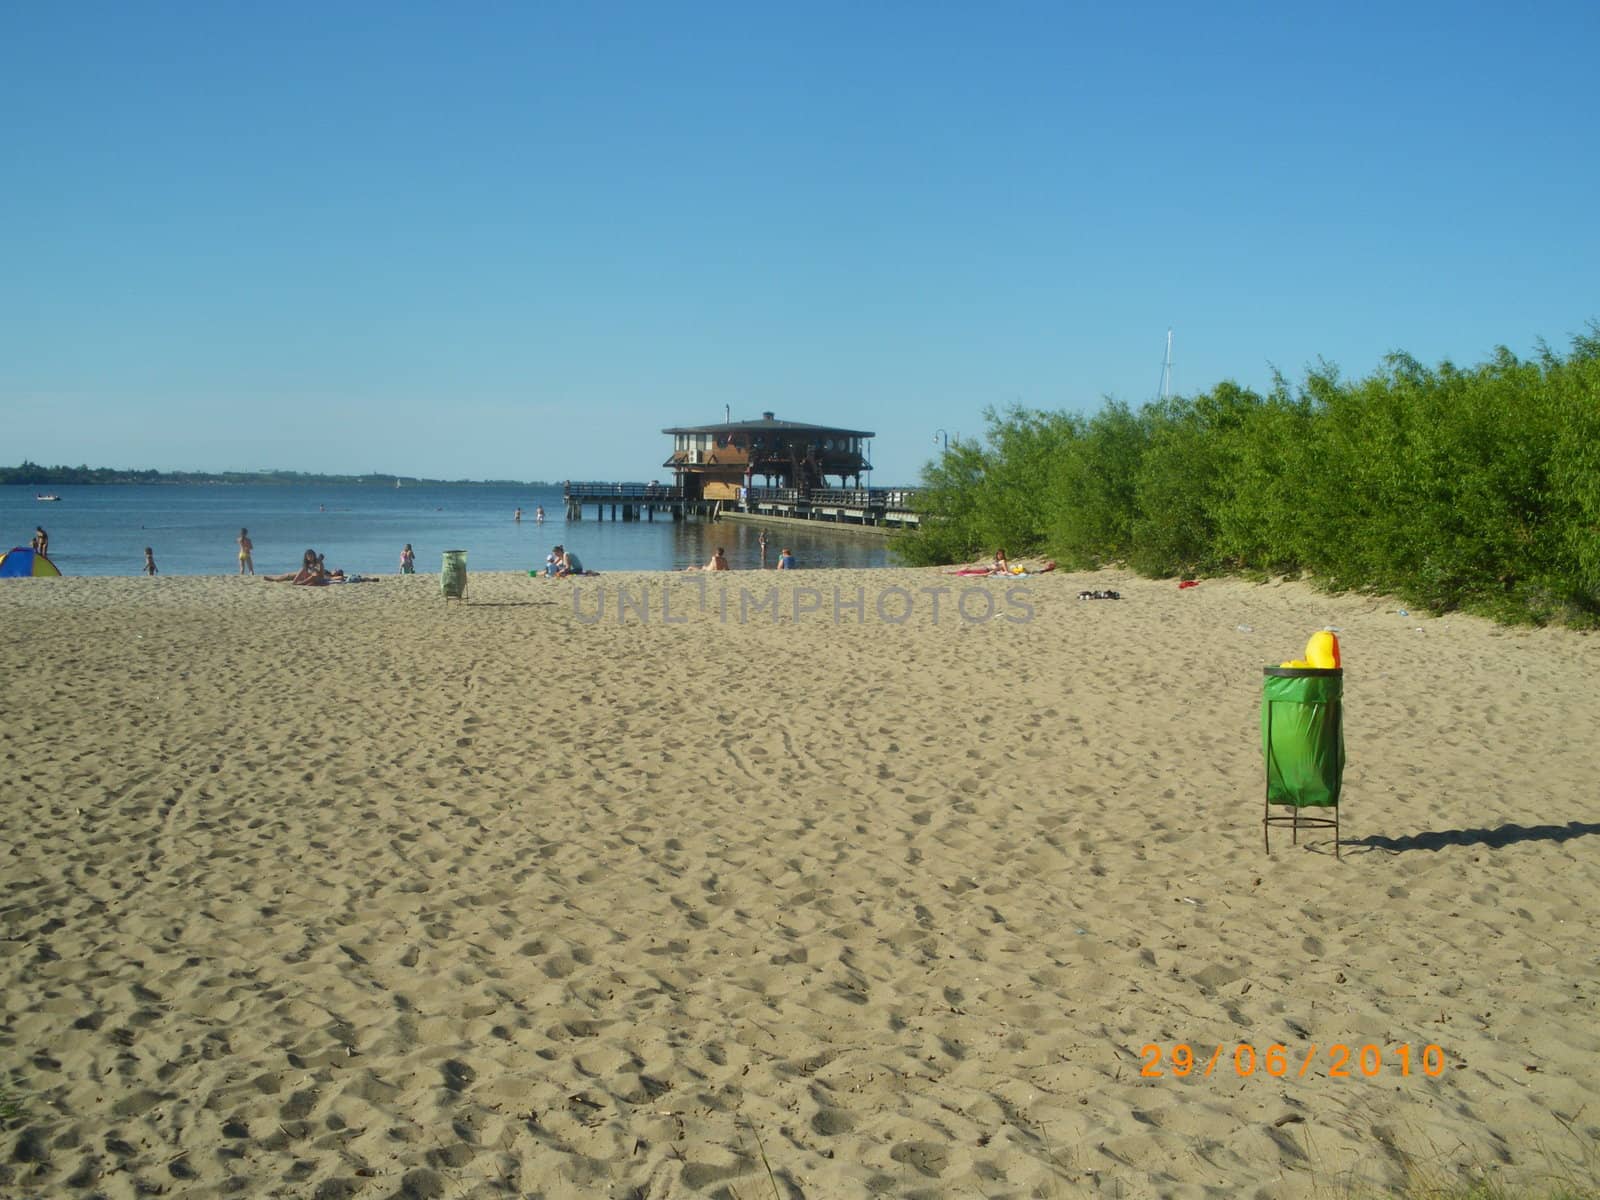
{"x":1099,"y":595}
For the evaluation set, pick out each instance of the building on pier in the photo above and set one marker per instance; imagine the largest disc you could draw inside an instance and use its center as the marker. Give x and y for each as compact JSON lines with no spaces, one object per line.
{"x":757,"y":470}
{"x":713,"y":462}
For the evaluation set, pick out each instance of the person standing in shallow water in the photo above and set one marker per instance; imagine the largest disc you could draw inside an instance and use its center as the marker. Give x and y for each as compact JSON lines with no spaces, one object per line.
{"x":247,"y":564}
{"x":149,"y":561}
{"x":41,"y":541}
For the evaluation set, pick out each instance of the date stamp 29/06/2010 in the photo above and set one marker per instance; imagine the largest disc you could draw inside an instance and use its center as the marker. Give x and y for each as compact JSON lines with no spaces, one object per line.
{"x":1335,"y":1061}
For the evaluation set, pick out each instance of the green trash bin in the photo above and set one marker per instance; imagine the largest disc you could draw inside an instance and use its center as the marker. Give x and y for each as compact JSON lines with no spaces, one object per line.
{"x":1302,"y":740}
{"x":453,"y":575}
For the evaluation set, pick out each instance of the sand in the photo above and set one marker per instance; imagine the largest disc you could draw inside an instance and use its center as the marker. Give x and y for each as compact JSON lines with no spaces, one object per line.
{"x":356,"y":892}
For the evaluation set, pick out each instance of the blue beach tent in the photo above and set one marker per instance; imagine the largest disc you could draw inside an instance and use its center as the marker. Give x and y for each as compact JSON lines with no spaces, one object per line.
{"x":20,"y":562}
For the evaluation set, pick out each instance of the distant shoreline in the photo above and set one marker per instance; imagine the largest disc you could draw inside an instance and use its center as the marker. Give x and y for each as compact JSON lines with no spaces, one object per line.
{"x":29,"y":476}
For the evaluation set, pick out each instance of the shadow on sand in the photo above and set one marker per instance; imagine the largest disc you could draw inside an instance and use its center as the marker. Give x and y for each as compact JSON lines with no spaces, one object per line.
{"x":1504,"y":835}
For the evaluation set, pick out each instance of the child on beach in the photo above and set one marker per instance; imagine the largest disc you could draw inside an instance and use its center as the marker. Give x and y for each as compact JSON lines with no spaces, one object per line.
{"x":408,"y":561}
{"x":786,"y":560}
{"x":247,"y":565}
{"x":149,"y":561}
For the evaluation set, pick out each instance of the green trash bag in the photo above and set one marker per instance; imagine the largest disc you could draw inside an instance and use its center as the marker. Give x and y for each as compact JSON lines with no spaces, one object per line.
{"x":453,"y":575}
{"x":1302,"y":735}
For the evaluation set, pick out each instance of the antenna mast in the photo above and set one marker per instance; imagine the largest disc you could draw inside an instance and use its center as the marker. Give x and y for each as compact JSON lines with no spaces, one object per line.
{"x":1166,"y":369}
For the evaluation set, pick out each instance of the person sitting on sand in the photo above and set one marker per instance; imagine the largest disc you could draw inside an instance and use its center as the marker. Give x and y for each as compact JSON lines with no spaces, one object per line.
{"x":311,"y":573}
{"x":308,"y":561}
{"x":719,"y":562}
{"x":786,"y":560}
{"x":1001,"y":566}
{"x":567,"y":563}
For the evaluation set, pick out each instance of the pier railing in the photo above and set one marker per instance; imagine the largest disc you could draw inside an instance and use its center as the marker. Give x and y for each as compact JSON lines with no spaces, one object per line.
{"x":641,"y":501}
{"x":774,"y":495}
{"x":614,"y":491}
{"x":897,"y":499}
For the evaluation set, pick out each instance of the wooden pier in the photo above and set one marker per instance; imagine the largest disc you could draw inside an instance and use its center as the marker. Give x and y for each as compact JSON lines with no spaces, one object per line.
{"x":715,"y":468}
{"x":890,"y":508}
{"x":629,"y":501}
{"x":884,"y":507}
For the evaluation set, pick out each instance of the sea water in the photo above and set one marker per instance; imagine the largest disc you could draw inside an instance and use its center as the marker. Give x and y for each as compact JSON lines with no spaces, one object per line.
{"x":360,"y":528}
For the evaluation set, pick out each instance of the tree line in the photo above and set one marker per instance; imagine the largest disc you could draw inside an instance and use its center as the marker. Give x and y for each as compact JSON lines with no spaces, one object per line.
{"x":1451,"y":488}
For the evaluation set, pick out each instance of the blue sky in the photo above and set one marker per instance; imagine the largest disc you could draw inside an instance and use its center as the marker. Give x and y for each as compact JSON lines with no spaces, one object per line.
{"x":516,"y":240}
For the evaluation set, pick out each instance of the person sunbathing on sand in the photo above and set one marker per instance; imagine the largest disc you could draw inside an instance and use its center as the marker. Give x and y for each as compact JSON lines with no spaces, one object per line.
{"x":718,"y":562}
{"x":308,"y":563}
{"x":312,"y":573}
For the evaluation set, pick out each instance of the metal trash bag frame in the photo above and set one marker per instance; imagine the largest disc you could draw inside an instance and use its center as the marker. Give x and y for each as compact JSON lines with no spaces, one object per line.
{"x":1295,"y":820}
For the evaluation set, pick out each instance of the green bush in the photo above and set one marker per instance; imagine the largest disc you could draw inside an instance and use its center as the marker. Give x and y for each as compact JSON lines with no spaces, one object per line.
{"x":979,"y":498}
{"x":1091,"y":498}
{"x":1451,"y":488}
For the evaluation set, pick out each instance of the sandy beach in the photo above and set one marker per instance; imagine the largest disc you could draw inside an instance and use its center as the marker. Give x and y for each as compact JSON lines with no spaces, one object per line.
{"x":354,"y":892}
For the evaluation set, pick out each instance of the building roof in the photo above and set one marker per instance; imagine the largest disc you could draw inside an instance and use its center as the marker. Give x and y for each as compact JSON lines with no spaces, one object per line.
{"x":768,"y":424}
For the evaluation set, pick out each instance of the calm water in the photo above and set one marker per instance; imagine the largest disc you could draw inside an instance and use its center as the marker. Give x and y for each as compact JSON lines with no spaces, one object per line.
{"x":103,"y":530}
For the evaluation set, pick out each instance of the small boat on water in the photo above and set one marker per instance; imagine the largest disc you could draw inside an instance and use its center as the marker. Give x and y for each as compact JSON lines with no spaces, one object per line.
{"x":42,"y":496}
